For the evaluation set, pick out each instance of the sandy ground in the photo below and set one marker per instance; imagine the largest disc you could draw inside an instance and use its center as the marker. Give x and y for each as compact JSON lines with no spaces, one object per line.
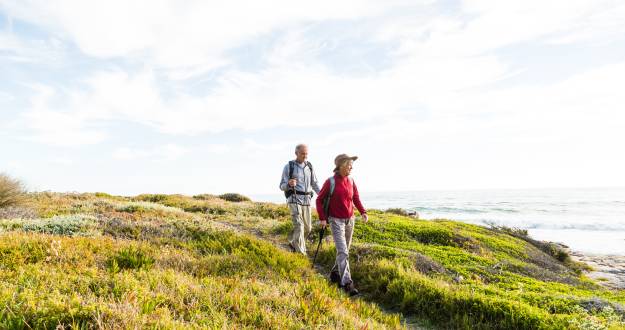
{"x":609,"y":270}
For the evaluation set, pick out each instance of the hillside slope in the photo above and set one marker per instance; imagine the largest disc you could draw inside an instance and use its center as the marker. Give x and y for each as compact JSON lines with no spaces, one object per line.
{"x":95,"y":260}
{"x":87,"y":261}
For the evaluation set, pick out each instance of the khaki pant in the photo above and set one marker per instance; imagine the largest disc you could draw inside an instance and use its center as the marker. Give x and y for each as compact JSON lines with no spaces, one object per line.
{"x":300,"y":215}
{"x":342,"y":230}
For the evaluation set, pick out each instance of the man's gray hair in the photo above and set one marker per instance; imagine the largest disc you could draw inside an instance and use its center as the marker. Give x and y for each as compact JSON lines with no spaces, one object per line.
{"x":300,"y":146}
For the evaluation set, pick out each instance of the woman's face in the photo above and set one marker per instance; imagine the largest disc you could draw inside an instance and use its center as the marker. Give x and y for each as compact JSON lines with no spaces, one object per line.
{"x":346,"y":168}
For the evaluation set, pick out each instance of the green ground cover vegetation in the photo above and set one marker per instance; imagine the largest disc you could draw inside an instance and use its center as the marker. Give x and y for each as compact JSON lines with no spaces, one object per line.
{"x":172,"y":261}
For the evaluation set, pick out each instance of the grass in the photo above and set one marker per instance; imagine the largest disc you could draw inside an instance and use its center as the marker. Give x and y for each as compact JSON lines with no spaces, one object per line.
{"x":475,"y":277}
{"x":96,"y":261}
{"x":172,"y":261}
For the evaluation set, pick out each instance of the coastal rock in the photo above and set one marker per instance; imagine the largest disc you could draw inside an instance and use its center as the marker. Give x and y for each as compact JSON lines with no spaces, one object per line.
{"x":608,"y":270}
{"x":426,"y":265}
{"x":413,"y":214}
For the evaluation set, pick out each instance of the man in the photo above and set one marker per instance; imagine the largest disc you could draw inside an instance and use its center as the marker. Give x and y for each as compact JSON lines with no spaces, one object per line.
{"x":298,"y":181}
{"x":342,"y":195}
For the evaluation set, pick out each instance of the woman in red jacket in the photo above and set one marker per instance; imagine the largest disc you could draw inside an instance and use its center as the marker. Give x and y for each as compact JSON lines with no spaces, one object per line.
{"x":341,"y":217}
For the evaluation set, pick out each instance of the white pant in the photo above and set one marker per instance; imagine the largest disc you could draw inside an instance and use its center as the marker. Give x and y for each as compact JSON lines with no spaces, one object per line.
{"x":300,"y":215}
{"x":342,"y":230}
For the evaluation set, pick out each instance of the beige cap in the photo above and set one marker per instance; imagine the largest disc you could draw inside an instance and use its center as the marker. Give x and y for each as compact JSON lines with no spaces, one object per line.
{"x":340,"y":159}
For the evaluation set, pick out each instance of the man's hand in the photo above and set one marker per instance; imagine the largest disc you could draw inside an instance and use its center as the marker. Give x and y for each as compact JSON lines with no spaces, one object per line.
{"x":292,"y":182}
{"x":365,"y":217}
{"x":323,"y":223}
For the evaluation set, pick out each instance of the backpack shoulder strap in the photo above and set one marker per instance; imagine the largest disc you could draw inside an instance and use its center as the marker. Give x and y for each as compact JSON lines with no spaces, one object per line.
{"x":326,"y":201}
{"x":291,"y":168}
{"x":311,"y":171}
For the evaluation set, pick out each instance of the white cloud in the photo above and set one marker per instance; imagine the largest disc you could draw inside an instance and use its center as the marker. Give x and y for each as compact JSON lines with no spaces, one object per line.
{"x":282,"y":95}
{"x":167,"y":152}
{"x":179,"y":35}
{"x":215,"y":149}
{"x":59,"y":160}
{"x":436,"y":98}
{"x":46,"y":124}
{"x":16,"y":49}
{"x":5,"y":96}
{"x":486,"y":25}
{"x":436,"y":60}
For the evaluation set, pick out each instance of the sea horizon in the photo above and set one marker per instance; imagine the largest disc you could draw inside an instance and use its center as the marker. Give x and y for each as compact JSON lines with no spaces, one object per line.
{"x":590,"y":220}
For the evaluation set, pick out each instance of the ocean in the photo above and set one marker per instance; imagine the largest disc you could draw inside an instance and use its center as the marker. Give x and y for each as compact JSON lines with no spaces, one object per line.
{"x":589,"y":220}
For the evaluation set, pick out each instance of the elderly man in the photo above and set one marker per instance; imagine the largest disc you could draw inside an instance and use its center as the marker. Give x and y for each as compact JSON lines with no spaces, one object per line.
{"x":298,"y":181}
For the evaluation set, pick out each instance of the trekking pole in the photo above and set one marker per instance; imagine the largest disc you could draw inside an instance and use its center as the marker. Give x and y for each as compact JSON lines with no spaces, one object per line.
{"x":294,"y":192}
{"x":321,"y":234}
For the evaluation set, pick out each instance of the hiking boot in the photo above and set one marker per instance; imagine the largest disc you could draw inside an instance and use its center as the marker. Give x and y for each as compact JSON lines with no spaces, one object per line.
{"x":335,"y":277}
{"x":350,"y":289}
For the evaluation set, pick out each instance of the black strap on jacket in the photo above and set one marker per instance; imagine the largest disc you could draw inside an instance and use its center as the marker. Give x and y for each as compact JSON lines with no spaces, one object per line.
{"x":289,"y":193}
{"x":292,"y":168}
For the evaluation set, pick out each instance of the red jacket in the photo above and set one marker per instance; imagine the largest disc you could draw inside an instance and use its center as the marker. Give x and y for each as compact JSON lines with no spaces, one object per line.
{"x":343,"y":199}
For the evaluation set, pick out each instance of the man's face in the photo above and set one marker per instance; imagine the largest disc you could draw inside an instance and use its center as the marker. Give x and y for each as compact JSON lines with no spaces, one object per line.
{"x":302,"y":154}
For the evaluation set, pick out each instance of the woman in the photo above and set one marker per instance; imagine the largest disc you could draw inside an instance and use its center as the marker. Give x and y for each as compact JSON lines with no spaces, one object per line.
{"x":340,"y":195}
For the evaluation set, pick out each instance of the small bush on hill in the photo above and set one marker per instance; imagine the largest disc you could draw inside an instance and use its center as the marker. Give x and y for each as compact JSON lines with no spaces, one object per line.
{"x":204,"y":197}
{"x":11,"y":191}
{"x":130,"y":258}
{"x":550,"y":248}
{"x":58,"y":225}
{"x":234,"y":197}
{"x":398,"y":211}
{"x":154,"y":198}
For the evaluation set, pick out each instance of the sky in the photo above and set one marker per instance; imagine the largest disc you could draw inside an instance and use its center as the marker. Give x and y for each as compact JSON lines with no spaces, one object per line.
{"x":166,"y":96}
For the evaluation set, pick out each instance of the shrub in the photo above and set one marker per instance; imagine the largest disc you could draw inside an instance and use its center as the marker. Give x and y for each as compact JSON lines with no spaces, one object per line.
{"x":13,"y":212}
{"x":204,"y":197}
{"x":154,"y":198}
{"x":271,"y":211}
{"x":132,"y":208}
{"x":11,"y":191}
{"x":234,"y":197}
{"x":60,"y":225}
{"x":552,"y":249}
{"x":130,"y":258}
{"x":398,"y":211}
{"x":512,"y":231}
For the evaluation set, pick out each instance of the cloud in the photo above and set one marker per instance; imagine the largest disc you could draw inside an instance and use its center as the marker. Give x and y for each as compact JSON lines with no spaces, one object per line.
{"x":21,"y":50}
{"x":44,"y":123}
{"x":215,"y":149}
{"x":287,"y":93}
{"x":5,"y":96}
{"x":483,"y":26}
{"x":178,"y":35}
{"x":61,"y":161}
{"x":391,"y":76}
{"x":167,"y":152}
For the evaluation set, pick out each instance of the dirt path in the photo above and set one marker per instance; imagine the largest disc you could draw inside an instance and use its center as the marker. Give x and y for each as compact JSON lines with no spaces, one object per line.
{"x":278,"y":241}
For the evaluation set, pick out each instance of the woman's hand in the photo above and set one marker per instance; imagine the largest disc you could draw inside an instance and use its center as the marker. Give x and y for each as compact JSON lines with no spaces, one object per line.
{"x":323,"y":223}
{"x":365,"y":217}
